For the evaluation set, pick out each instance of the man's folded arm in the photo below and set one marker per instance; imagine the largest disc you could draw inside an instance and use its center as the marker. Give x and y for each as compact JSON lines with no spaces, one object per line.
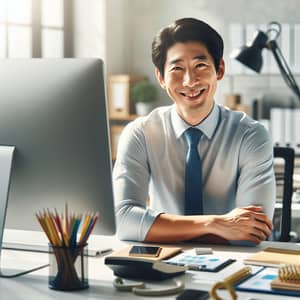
{"x":134,"y":221}
{"x":256,"y":183}
{"x":131,"y":177}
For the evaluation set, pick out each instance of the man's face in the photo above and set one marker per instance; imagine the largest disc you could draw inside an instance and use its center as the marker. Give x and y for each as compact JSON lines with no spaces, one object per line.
{"x":190,"y":79}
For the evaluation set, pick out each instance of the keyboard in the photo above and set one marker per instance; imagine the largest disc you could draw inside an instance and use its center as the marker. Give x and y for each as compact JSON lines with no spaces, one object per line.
{"x":44,"y":248}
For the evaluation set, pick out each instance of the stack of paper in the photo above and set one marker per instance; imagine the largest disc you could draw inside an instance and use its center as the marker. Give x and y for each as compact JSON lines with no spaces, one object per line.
{"x":273,"y":257}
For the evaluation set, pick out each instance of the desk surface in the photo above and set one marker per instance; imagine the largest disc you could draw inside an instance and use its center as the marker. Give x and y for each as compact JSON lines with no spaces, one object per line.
{"x":34,"y":286}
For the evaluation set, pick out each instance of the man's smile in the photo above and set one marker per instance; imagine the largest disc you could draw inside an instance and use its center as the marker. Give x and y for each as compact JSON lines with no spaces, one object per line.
{"x":192,"y":93}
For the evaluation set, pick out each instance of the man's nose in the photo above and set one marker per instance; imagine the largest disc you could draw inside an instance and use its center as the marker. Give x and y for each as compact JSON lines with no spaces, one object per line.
{"x":190,"y":78}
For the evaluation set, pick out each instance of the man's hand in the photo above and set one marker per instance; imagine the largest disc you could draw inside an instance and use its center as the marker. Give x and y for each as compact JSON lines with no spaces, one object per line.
{"x":247,"y":223}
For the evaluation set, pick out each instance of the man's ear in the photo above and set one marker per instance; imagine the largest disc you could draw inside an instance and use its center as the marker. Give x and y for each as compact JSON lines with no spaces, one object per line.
{"x":221,"y":70}
{"x":159,"y":78}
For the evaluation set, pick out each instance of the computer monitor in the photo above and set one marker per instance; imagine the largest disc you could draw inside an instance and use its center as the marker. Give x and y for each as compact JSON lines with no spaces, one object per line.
{"x":54,"y":112}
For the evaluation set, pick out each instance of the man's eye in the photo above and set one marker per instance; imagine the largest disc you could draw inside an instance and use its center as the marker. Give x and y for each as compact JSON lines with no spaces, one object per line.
{"x":176,"y":68}
{"x":201,"y":65}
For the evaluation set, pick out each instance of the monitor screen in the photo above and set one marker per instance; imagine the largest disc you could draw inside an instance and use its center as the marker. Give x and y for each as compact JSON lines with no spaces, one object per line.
{"x":54,"y":112}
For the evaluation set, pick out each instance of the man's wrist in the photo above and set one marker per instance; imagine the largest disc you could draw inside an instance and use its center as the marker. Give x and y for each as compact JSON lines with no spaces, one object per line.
{"x":209,"y":224}
{"x":216,"y":225}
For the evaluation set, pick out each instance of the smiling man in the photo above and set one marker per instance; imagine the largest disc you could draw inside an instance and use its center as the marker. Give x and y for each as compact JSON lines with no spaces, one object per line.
{"x":207,"y":171}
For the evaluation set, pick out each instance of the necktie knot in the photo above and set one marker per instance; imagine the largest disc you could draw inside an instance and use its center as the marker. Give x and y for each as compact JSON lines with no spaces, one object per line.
{"x":193,"y":137}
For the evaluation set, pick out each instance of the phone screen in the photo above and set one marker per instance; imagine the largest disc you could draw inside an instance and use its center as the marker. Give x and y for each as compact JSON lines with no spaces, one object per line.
{"x":188,"y":294}
{"x":144,"y":251}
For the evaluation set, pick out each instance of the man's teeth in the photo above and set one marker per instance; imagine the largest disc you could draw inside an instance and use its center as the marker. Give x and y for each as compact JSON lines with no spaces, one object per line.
{"x":193,"y":94}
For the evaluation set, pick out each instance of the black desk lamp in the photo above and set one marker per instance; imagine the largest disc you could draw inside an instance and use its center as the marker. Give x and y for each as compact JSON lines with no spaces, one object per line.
{"x":251,"y":55}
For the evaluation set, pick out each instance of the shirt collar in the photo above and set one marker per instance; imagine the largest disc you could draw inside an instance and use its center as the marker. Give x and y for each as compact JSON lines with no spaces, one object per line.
{"x":207,"y":126}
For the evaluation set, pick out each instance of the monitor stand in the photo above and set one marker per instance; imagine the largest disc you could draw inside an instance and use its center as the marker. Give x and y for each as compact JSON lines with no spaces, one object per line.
{"x":6,"y":159}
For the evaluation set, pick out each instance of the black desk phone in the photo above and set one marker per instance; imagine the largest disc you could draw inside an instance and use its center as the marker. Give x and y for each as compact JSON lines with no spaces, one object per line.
{"x":142,"y":268}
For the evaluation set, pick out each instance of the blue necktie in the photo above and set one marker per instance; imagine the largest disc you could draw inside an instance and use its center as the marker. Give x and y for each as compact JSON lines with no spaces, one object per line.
{"x":193,"y":174}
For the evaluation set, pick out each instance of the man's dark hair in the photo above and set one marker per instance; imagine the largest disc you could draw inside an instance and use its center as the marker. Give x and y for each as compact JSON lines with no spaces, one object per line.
{"x":186,"y":30}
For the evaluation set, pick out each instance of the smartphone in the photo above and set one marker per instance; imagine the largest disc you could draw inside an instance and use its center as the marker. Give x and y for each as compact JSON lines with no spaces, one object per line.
{"x":188,"y":294}
{"x":149,"y":251}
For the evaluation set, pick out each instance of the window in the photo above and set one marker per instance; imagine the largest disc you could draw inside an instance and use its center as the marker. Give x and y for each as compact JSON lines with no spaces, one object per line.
{"x":35,"y":28}
{"x":52,"y":28}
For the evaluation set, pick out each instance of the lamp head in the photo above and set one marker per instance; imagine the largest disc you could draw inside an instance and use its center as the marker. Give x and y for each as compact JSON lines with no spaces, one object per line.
{"x":251,"y":54}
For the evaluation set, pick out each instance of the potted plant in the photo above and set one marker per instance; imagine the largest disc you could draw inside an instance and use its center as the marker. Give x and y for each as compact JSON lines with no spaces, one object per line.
{"x":143,"y":95}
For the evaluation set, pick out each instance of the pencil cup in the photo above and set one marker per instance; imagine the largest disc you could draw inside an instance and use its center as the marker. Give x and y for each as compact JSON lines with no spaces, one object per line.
{"x":68,"y":268}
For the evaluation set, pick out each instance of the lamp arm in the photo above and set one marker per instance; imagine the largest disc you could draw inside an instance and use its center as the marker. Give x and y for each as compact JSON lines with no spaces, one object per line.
{"x":284,"y":68}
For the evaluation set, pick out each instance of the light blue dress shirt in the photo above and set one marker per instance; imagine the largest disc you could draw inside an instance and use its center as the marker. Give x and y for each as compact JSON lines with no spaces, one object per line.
{"x":237,"y":167}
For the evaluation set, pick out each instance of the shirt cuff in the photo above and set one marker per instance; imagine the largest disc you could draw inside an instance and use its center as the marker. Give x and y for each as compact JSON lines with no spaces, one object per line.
{"x":134,"y":222}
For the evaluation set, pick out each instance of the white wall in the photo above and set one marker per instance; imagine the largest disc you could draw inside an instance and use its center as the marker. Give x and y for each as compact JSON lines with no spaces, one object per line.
{"x":101,"y":29}
{"x":121,"y":31}
{"x":146,"y":17}
{"x":119,"y":37}
{"x":89,"y":28}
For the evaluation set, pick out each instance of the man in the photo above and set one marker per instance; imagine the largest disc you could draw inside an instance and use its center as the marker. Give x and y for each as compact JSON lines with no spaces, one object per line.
{"x":234,"y":176}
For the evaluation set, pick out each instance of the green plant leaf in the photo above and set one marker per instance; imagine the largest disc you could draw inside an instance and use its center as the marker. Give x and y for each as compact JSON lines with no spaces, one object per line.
{"x":143,"y":91}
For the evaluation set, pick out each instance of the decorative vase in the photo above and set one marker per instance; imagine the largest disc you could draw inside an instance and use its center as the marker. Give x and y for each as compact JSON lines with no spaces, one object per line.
{"x":142,"y":108}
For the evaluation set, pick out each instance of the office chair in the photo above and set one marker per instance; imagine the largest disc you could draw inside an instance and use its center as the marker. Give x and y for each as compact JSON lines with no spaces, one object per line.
{"x":285,"y":177}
